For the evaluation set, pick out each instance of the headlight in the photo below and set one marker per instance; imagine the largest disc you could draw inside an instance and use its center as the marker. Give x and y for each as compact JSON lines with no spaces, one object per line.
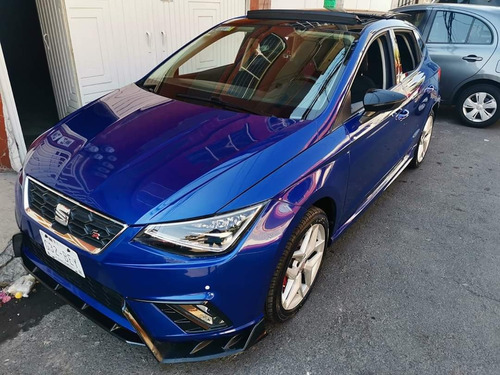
{"x":210,"y":235}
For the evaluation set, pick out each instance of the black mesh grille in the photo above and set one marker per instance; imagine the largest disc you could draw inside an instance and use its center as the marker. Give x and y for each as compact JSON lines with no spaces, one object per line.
{"x":108,"y":297}
{"x":189,"y":325}
{"x":83,"y":224}
{"x":185,"y":324}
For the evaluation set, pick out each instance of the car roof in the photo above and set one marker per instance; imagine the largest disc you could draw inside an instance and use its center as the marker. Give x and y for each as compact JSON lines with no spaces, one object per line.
{"x":322,"y":15}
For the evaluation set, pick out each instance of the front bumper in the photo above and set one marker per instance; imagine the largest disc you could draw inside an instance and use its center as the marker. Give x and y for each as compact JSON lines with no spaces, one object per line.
{"x":125,"y":285}
{"x":134,"y":332}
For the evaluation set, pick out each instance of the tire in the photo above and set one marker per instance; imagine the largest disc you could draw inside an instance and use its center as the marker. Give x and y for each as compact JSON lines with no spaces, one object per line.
{"x":278,"y":308}
{"x":423,"y":142}
{"x":479,"y":106}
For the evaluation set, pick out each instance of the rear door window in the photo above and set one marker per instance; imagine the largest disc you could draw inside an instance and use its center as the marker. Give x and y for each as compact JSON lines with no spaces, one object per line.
{"x":458,"y":28}
{"x":479,"y":33}
{"x":409,"y":51}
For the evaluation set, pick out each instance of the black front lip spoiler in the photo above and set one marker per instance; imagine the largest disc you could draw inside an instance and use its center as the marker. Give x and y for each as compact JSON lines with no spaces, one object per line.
{"x":81,"y":306}
{"x":163,"y":351}
{"x":194,"y":351}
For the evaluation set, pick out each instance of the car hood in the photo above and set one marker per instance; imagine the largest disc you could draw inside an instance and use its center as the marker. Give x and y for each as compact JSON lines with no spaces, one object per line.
{"x":135,"y":155}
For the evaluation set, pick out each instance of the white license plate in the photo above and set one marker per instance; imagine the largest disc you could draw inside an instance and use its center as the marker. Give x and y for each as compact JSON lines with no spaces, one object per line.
{"x":62,"y":253}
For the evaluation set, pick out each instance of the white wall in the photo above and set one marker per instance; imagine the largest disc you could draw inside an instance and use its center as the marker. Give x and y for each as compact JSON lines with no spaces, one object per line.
{"x":15,"y":140}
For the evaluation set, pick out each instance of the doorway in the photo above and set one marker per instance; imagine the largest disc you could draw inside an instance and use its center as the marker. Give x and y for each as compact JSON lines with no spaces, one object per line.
{"x":24,"y":53}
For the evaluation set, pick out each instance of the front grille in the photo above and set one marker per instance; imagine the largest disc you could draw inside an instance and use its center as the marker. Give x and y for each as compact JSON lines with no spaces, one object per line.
{"x":83,"y":224}
{"x":106,"y":296}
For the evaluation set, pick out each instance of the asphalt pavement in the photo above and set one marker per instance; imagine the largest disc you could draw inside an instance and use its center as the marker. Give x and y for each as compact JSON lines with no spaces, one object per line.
{"x":413,"y":287}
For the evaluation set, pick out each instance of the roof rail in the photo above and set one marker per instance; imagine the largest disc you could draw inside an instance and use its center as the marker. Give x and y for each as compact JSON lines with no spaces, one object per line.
{"x":330,"y":16}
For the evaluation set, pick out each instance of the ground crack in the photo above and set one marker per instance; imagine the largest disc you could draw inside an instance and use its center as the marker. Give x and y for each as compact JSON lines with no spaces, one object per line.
{"x":468,"y":288}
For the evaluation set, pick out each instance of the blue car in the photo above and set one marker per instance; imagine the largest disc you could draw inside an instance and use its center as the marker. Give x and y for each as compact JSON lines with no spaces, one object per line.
{"x":187,"y":210}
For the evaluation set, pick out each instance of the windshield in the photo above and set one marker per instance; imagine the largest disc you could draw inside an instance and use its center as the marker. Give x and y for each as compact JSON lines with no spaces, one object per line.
{"x":272,"y":68}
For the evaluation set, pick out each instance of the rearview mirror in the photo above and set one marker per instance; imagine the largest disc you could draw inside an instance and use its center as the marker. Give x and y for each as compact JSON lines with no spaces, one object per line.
{"x":376,"y":100}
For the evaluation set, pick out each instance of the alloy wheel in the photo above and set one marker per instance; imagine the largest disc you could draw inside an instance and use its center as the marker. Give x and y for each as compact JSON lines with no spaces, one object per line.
{"x":303,"y":267}
{"x":425,"y":139}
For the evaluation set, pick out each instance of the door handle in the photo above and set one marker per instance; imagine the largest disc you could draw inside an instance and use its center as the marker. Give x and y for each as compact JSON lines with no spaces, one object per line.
{"x":430,"y":89}
{"x":45,"y":40}
{"x":401,"y":114}
{"x":472,"y":58}
{"x":148,"y":35}
{"x":163,"y":40}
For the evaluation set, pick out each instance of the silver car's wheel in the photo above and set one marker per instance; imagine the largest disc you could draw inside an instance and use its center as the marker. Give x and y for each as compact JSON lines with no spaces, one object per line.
{"x":303,"y":267}
{"x":479,"y":107}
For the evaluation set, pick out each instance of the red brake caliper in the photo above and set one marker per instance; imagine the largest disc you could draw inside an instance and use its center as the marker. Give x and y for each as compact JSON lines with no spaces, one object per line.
{"x":285,"y":280}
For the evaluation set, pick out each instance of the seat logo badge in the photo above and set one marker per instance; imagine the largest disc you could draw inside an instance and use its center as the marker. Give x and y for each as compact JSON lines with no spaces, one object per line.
{"x":62,"y":214}
{"x":95,"y":234}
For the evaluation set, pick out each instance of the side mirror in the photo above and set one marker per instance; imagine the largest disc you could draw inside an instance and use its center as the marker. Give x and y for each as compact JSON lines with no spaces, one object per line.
{"x":376,"y":100}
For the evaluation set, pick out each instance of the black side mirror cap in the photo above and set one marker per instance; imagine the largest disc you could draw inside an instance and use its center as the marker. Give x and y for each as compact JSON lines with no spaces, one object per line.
{"x":377,"y":100}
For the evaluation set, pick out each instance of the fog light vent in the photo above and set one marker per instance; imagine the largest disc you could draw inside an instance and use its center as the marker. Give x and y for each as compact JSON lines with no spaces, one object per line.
{"x":193,"y":318}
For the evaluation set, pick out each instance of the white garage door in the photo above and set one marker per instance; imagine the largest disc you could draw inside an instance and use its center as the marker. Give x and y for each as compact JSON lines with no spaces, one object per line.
{"x":115,"y":42}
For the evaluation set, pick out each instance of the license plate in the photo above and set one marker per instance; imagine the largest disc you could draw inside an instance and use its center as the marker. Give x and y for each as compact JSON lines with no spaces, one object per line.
{"x":62,"y":253}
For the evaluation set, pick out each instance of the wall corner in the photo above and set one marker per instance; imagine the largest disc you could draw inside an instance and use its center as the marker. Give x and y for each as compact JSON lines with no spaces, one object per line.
{"x":4,"y":144}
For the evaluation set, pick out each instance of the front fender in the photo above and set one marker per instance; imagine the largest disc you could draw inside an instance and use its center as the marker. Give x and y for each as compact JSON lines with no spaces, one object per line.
{"x":320,"y":171}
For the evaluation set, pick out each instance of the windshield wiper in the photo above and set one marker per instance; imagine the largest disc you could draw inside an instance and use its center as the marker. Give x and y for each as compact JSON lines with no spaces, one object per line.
{"x":217,"y":101}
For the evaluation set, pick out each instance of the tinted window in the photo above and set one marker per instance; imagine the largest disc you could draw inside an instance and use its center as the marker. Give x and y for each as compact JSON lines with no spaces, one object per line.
{"x":409,"y":52}
{"x":452,"y":27}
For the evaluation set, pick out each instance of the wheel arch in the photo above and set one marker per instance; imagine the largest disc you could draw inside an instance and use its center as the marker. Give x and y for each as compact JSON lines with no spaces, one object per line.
{"x":328,"y":205}
{"x":478,"y":81}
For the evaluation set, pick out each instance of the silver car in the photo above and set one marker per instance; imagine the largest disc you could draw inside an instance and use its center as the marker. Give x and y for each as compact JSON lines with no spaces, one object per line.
{"x":464,"y":41}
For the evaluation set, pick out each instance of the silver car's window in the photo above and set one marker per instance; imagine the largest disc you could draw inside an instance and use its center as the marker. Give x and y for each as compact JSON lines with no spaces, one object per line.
{"x":458,"y":28}
{"x":479,"y":33}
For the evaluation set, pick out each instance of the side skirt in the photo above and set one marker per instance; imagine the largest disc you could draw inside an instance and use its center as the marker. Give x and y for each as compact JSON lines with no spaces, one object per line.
{"x":386,"y":182}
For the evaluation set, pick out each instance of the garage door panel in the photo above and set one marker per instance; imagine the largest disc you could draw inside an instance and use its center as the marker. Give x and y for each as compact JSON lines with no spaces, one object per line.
{"x":90,"y":24}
